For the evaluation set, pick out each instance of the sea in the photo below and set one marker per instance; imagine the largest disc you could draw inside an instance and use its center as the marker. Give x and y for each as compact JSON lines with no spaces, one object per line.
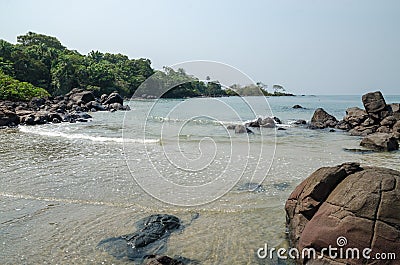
{"x":66,"y":187}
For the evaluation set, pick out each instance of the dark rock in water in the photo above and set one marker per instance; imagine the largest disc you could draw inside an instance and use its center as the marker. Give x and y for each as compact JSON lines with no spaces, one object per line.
{"x":300,"y":122}
{"x":380,"y":142}
{"x":255,"y":123}
{"x":321,"y":119}
{"x":114,"y":98}
{"x":95,"y":105}
{"x":332,"y":130}
{"x":231,"y":127}
{"x":374,"y":104}
{"x":357,"y":150}
{"x":297,"y":107}
{"x":249,"y":131}
{"x":277,"y":120}
{"x":150,"y":238}
{"x":80,"y":115}
{"x":281,"y":129}
{"x":240,"y":129}
{"x":162,"y":260}
{"x":115,"y":106}
{"x":250,"y":186}
{"x":267,"y":123}
{"x":357,"y":203}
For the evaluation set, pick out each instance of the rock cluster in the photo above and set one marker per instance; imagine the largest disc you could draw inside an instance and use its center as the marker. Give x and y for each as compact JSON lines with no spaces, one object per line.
{"x":379,"y":123}
{"x":69,"y":108}
{"x":359,"y":203}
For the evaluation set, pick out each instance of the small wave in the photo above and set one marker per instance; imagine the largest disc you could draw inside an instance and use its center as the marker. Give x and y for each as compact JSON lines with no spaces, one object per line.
{"x":196,"y":121}
{"x":28,"y":129}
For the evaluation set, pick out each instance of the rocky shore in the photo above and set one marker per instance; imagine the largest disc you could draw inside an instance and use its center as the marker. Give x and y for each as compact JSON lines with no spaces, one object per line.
{"x":378,"y":123}
{"x":72,"y":107}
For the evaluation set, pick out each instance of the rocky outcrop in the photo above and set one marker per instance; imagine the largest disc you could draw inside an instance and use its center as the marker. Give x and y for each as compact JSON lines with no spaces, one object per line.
{"x":69,"y":108}
{"x":360,"y":204}
{"x":380,"y":142}
{"x":322,"y":119}
{"x":378,"y":117}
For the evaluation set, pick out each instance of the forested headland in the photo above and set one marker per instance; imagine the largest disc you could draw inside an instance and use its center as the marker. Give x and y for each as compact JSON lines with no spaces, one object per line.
{"x":40,"y":65}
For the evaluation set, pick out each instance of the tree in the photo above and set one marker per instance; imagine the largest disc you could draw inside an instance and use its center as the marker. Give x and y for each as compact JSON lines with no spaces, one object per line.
{"x":32,"y":38}
{"x":278,"y":88}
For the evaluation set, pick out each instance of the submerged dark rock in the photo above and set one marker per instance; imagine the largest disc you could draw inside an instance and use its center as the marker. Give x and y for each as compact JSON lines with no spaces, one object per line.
{"x":150,"y":238}
{"x":252,"y":187}
{"x":297,"y":107}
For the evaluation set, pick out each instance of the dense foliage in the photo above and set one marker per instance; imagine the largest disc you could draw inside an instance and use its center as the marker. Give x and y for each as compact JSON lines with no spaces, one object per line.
{"x":44,"y":62}
{"x":11,"y":89}
{"x":258,"y":89}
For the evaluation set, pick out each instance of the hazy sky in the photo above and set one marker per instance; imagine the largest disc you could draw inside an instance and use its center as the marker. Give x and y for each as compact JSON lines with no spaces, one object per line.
{"x":310,"y":47}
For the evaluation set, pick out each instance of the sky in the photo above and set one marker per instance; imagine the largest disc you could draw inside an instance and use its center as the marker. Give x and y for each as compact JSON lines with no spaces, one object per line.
{"x":308,"y":46}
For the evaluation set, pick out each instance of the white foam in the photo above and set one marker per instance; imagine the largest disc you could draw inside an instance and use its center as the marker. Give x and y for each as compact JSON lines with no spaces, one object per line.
{"x":33,"y":130}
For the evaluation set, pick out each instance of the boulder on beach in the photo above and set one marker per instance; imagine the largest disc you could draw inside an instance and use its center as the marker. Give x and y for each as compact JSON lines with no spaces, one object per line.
{"x":374,"y":104}
{"x":346,"y":206}
{"x":322,"y":119}
{"x":114,"y":98}
{"x":8,"y":117}
{"x":380,"y":142}
{"x":81,"y":96}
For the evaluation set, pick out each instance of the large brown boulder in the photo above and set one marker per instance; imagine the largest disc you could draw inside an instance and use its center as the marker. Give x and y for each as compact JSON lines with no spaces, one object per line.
{"x":322,"y":119}
{"x":374,"y":102}
{"x":346,"y":207}
{"x":81,"y":96}
{"x":380,"y":142}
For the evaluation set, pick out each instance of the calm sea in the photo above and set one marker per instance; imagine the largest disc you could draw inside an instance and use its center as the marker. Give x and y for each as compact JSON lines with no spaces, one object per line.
{"x":65,"y":187}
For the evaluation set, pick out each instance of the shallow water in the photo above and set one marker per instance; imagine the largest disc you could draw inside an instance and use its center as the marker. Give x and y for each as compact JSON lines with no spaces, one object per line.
{"x":65,"y":187}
